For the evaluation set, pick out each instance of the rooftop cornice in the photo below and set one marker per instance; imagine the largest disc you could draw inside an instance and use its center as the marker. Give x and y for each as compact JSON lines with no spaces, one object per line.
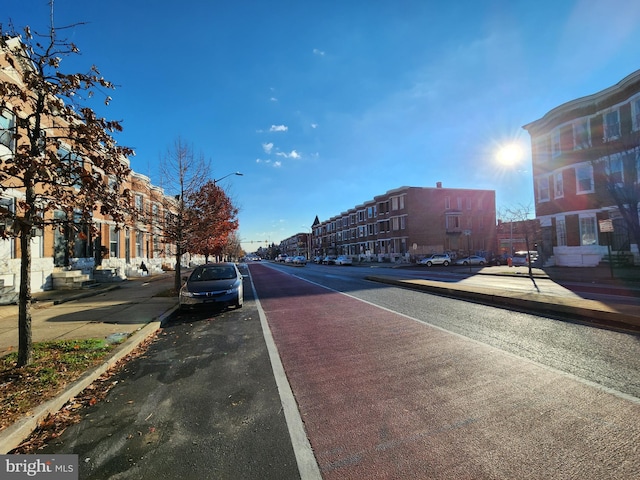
{"x":553,"y":116}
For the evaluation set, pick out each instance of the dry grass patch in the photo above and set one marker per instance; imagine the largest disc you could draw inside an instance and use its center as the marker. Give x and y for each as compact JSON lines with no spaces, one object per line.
{"x":55,"y":365}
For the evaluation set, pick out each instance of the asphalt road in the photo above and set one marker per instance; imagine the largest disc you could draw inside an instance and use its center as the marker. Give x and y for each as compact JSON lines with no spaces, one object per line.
{"x":390,"y":383}
{"x":202,"y":403}
{"x":607,"y":358}
{"x":398,"y":384}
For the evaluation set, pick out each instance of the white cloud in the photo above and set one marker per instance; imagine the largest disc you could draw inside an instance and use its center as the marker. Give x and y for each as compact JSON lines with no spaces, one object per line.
{"x":267,"y":147}
{"x":277,"y":164}
{"x":318,"y":52}
{"x":278,"y":128}
{"x":293,"y":154}
{"x":314,"y":125}
{"x":273,"y":99}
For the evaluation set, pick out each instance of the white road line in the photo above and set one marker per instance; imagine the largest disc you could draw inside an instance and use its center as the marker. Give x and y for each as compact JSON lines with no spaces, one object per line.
{"x":306,"y":460}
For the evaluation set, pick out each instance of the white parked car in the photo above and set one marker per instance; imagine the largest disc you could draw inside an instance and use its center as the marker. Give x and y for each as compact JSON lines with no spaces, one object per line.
{"x":343,"y":260}
{"x":300,"y":260}
{"x":436,"y":259}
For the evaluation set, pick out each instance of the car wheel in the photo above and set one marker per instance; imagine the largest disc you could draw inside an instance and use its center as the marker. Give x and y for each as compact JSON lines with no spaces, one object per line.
{"x":465,"y":263}
{"x":445,"y":263}
{"x":481,"y":263}
{"x":429,"y":264}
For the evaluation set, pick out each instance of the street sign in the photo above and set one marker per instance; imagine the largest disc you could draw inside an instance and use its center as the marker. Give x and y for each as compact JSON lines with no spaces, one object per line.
{"x":606,"y":225}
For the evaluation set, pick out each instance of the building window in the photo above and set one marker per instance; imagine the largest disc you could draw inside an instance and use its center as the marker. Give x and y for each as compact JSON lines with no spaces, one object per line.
{"x":613,"y":169}
{"x":543,"y":189}
{"x":635,"y":113}
{"x":588,"y":231}
{"x":139,"y":203}
{"x":7,"y":127}
{"x":556,"y":148}
{"x":397,"y":203}
{"x":611,"y":125}
{"x":453,"y":222}
{"x":71,"y":167}
{"x":558,"y":185}
{"x":361,"y":215}
{"x":541,"y":149}
{"x":114,"y":242}
{"x":561,"y":232}
{"x":371,"y":212}
{"x":447,"y":203}
{"x":581,"y":137}
{"x":403,"y":223}
{"x":459,"y":203}
{"x":139,"y":244}
{"x":584,"y":179}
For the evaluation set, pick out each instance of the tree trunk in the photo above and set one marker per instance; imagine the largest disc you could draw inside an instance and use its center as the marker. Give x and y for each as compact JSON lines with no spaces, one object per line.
{"x":178,"y":280}
{"x":25,"y":345}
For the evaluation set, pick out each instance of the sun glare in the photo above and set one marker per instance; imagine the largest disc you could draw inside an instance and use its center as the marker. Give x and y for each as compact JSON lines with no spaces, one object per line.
{"x":510,"y":154}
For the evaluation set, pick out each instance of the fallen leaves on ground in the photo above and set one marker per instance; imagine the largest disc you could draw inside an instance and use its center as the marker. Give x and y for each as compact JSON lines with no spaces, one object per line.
{"x":55,"y":424}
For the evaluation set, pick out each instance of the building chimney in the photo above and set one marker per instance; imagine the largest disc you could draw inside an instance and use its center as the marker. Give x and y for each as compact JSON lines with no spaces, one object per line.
{"x":438,"y":184}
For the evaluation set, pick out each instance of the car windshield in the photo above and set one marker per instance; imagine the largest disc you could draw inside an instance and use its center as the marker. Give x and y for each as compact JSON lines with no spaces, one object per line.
{"x":213,"y":273}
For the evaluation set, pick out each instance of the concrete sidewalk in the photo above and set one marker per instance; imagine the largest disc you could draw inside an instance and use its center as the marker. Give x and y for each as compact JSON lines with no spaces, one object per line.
{"x":108,"y":309}
{"x":619,"y":308}
{"x":133,"y":309}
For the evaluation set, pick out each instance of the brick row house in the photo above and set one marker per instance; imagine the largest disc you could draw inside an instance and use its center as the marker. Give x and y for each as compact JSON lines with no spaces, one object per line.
{"x":109,"y":250}
{"x":408,"y":223}
{"x":585,"y":153}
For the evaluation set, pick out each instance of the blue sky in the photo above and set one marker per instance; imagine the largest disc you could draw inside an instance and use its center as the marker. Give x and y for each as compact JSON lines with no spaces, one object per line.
{"x":323,"y":105}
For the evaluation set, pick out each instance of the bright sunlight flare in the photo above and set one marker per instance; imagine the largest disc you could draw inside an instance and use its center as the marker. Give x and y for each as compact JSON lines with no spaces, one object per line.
{"x":510,"y":154}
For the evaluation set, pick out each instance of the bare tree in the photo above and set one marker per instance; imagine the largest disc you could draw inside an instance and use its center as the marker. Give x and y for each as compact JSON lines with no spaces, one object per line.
{"x":523,"y":224}
{"x":618,"y":171}
{"x":59,"y":155}
{"x":182,"y":175}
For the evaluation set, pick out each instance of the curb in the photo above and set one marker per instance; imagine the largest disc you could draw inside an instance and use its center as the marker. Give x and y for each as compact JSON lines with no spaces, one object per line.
{"x":15,"y":434}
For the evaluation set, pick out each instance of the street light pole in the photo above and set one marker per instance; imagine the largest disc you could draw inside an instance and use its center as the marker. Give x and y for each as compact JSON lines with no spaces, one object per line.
{"x":215,"y":182}
{"x":227,"y":175}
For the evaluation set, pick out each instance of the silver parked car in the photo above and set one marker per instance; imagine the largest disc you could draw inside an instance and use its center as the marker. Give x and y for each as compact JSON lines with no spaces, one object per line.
{"x":436,"y":259}
{"x":343,"y":260}
{"x":471,"y":260}
{"x":212,"y":284}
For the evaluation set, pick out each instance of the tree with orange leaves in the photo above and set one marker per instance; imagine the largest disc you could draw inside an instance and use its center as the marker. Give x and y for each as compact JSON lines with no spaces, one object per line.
{"x":212,"y":218}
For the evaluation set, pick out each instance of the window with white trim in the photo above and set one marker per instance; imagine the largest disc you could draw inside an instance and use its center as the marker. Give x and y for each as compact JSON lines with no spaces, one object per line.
{"x":447,"y":203}
{"x":635,"y":113}
{"x":558,"y":185}
{"x":613,"y":169}
{"x":543,"y":189}
{"x":114,"y":242}
{"x":588,"y":231}
{"x":7,"y":129}
{"x":584,"y":179}
{"x":581,"y":134}
{"x":611,"y":125}
{"x":561,"y":232}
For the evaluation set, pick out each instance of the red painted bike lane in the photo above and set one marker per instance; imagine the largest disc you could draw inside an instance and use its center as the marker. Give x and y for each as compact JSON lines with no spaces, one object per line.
{"x":385,"y":396}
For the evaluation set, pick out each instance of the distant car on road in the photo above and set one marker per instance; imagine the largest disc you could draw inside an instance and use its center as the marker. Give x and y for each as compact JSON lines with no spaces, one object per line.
{"x":212,"y":284}
{"x":520,"y":259}
{"x":471,"y":260}
{"x":343,"y":260}
{"x":300,"y":260}
{"x":329,"y":260}
{"x":436,"y":259}
{"x":282,"y":257}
